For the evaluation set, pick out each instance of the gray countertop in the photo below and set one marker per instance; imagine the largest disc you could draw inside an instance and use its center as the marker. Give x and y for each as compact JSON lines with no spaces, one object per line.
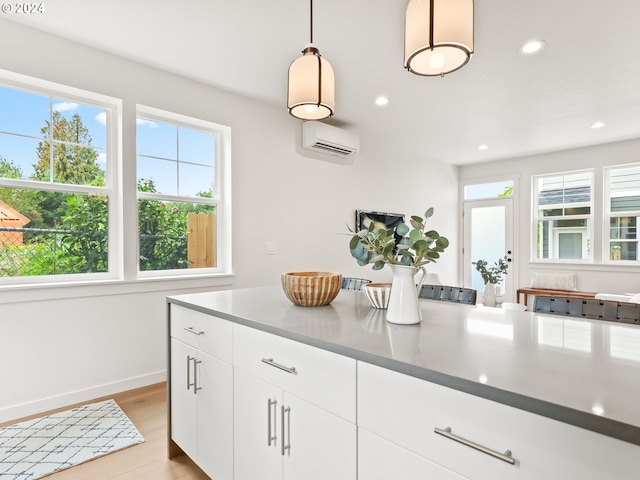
{"x":582,"y":372}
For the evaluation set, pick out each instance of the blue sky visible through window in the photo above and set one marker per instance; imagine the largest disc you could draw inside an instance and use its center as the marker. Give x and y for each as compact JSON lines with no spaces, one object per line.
{"x":23,"y":115}
{"x":179,"y":160}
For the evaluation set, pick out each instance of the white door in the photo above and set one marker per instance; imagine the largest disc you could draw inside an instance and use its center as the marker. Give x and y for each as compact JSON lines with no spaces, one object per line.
{"x":184,"y":412}
{"x":322,"y":445}
{"x":256,"y":435}
{"x":215,"y":417}
{"x":488,"y":235}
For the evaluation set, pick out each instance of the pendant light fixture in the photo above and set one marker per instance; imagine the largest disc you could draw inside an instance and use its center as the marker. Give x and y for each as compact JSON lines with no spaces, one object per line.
{"x":311,"y":92}
{"x":438,"y":36}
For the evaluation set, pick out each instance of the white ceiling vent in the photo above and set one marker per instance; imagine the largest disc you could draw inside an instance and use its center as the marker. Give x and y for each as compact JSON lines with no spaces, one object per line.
{"x":324,"y":138}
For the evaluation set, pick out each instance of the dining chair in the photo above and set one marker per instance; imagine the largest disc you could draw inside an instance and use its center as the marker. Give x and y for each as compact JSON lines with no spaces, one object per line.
{"x":588,"y":308}
{"x":446,"y":293}
{"x":352,"y":283}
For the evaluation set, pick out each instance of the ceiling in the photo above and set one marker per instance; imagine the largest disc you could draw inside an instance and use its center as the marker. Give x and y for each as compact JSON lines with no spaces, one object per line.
{"x":515,"y":104}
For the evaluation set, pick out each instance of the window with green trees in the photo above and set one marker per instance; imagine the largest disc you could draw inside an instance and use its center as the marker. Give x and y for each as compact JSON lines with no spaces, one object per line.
{"x":61,"y":188}
{"x":178,"y":197}
{"x":54,"y":187}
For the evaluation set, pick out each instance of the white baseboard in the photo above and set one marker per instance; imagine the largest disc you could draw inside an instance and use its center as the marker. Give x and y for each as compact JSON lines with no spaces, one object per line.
{"x":51,"y":403}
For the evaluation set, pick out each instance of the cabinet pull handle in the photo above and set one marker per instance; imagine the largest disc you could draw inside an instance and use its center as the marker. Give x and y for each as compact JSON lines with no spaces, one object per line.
{"x":189,"y":384}
{"x":270,"y":438}
{"x":269,"y":361}
{"x":193,"y":330}
{"x":505,"y":457}
{"x":195,"y":375}
{"x":284,"y":411}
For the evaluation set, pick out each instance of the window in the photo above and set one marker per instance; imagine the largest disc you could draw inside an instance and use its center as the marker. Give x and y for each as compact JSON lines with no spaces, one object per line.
{"x":488,"y":190}
{"x":180,"y":163}
{"x":57,"y":183}
{"x":622,"y":210}
{"x":563,"y":216}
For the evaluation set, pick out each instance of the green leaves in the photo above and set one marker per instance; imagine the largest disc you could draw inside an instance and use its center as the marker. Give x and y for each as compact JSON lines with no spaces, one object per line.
{"x":378,"y":246}
{"x":492,"y":275}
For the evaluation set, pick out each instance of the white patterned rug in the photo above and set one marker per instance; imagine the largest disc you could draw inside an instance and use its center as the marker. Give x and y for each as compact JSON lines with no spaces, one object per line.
{"x":40,"y":447}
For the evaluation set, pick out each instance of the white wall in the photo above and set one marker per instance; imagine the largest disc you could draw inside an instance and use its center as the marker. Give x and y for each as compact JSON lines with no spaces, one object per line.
{"x":591,"y":278}
{"x":61,"y":345}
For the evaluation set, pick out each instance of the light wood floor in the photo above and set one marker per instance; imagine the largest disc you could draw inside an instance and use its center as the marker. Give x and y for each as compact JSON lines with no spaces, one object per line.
{"x":147,"y":409}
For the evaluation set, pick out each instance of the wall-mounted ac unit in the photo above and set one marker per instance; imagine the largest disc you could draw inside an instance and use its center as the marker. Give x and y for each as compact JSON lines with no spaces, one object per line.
{"x":324,"y":138}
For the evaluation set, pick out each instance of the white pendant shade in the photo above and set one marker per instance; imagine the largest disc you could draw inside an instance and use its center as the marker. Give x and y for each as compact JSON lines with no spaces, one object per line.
{"x":438,"y":36}
{"x":311,"y":86}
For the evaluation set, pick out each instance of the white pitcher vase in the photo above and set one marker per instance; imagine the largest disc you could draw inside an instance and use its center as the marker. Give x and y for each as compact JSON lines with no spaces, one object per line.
{"x":404,"y":308}
{"x":489,"y":295}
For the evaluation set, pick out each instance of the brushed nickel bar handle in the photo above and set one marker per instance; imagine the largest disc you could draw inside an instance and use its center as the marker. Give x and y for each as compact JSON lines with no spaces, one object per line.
{"x":195,"y":376}
{"x":270,"y":438}
{"x":189,"y":384}
{"x":283,"y":411}
{"x":269,"y":361}
{"x":505,"y":457}
{"x":193,"y":330}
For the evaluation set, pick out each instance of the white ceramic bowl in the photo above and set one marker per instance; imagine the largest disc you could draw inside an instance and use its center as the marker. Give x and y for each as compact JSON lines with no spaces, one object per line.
{"x":378,"y":294}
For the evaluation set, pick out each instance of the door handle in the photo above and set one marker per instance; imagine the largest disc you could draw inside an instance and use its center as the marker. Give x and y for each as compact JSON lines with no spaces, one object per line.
{"x":270,"y":403}
{"x":195,"y":375}
{"x":269,"y":361}
{"x":189,"y":384}
{"x":285,"y":446}
{"x":505,"y":457}
{"x":194,"y":331}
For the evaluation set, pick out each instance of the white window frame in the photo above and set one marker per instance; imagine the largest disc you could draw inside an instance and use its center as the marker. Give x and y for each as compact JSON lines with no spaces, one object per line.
{"x":606,"y":228}
{"x":113,"y":108}
{"x":537,"y":218}
{"x":221,"y":195}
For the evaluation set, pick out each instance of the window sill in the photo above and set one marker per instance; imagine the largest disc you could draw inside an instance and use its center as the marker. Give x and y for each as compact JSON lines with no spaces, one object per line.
{"x":58,"y":291}
{"x":584,"y":266}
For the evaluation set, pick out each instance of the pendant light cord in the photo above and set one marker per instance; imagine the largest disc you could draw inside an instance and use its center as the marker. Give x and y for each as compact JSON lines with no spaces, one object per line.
{"x":310,"y":21}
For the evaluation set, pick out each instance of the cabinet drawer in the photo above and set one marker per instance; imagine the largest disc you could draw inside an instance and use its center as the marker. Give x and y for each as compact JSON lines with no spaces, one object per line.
{"x":405,"y":410}
{"x":379,"y":459}
{"x":207,"y":333}
{"x":322,"y":378}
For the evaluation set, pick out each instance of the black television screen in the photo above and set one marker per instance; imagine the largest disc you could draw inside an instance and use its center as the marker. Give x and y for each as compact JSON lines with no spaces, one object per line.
{"x":389,"y":220}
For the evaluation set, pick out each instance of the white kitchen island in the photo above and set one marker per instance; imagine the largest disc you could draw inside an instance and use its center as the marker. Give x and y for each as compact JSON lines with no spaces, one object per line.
{"x":337,"y":392}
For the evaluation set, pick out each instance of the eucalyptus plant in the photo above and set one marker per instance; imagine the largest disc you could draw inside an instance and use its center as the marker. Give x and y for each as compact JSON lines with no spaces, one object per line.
{"x":492,"y":275}
{"x":402,"y":245}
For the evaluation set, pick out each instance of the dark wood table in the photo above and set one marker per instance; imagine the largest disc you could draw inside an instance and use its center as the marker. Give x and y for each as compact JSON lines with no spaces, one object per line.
{"x":526,"y":291}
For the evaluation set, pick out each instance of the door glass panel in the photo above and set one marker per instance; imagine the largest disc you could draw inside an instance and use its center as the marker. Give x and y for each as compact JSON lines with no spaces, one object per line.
{"x":487,"y":238}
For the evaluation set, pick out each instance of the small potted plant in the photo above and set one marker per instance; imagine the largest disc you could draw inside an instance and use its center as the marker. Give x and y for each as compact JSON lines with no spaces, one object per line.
{"x":491,"y":276}
{"x":406,"y":250}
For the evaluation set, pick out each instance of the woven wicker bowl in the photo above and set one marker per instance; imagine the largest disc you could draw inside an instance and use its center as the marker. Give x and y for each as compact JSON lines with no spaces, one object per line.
{"x":311,"y":289}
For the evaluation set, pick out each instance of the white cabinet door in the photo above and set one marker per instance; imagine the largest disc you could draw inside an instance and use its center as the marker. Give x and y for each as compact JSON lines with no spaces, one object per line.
{"x":322,"y":445}
{"x":214,"y":381}
{"x":379,"y":459}
{"x":317,"y":444}
{"x":256,"y":416}
{"x":184,"y":413}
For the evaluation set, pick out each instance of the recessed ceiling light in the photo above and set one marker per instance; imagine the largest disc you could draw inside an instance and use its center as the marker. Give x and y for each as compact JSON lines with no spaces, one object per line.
{"x":598,"y":125}
{"x":483,"y":147}
{"x":597,"y":409}
{"x":382,"y":101}
{"x":532,"y":46}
